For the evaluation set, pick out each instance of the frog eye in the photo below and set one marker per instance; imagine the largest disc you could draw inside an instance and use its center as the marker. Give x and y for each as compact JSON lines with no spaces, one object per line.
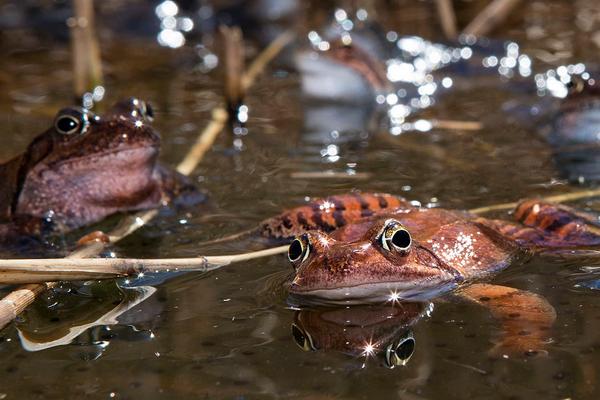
{"x":71,"y":121}
{"x":302,"y":339}
{"x":142,"y":109}
{"x":299,"y":250}
{"x":395,"y":237}
{"x":147,"y":111}
{"x":399,"y":352}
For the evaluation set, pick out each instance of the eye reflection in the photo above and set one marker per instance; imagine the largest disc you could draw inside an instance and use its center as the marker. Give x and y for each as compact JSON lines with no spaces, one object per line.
{"x":372,"y":335}
{"x":302,"y":339}
{"x":399,"y":352}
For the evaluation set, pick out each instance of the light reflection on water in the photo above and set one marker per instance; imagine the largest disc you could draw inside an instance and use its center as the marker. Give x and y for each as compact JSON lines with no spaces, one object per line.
{"x":229,"y":333}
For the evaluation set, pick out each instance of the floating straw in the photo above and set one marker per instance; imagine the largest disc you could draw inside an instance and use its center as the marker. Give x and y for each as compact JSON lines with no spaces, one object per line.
{"x":15,"y":302}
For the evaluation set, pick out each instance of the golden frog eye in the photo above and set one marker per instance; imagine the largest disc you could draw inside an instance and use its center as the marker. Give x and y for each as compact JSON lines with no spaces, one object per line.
{"x":399,"y":352}
{"x":302,"y":339}
{"x":395,"y":237}
{"x":71,"y":121}
{"x":298,"y":250}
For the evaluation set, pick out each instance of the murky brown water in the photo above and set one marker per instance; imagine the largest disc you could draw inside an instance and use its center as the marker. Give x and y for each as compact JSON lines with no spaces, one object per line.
{"x":227,"y":334}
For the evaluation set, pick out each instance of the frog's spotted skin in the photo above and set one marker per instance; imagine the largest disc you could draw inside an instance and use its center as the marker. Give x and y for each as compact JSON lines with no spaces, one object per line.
{"x":328,"y":214}
{"x":544,"y":226}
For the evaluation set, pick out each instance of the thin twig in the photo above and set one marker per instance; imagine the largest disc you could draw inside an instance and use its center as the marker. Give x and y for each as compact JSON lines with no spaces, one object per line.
{"x":490,"y":17}
{"x":447,"y":18}
{"x":21,"y":271}
{"x":265,"y":57}
{"x":15,"y":302}
{"x":204,"y":142}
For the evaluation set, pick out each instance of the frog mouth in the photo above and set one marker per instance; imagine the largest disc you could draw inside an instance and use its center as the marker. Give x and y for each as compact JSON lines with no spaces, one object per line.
{"x":129,"y":154}
{"x":374,"y":293}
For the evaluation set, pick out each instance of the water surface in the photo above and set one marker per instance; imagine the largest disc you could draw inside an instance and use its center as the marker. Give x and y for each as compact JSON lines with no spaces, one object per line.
{"x":228,"y":333}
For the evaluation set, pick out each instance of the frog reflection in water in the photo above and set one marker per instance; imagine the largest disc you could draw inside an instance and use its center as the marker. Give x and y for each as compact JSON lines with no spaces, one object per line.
{"x":575,"y":132}
{"x":84,"y":168}
{"x":377,"y":248}
{"x":363,"y":331}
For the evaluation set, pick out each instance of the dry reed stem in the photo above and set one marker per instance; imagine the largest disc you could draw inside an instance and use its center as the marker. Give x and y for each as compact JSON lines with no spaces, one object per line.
{"x":447,"y":18}
{"x":233,"y":63}
{"x":490,"y":17}
{"x":16,"y":301}
{"x":456,"y":125}
{"x":204,"y":142}
{"x":21,"y":271}
{"x":265,"y":57}
{"x":87,"y":65}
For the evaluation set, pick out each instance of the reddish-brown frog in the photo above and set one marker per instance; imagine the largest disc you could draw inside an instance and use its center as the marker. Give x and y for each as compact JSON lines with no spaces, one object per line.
{"x":378,"y":248}
{"x":360,"y":248}
{"x":84,"y":168}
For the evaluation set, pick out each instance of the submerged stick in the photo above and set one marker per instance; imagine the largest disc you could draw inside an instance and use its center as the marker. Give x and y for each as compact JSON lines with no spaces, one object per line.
{"x":16,"y":301}
{"x":69,"y":269}
{"x":447,"y":18}
{"x":87,"y":66}
{"x":490,"y":17}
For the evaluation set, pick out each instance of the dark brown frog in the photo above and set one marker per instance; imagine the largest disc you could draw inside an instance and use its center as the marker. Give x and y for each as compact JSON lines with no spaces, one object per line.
{"x":84,"y":168}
